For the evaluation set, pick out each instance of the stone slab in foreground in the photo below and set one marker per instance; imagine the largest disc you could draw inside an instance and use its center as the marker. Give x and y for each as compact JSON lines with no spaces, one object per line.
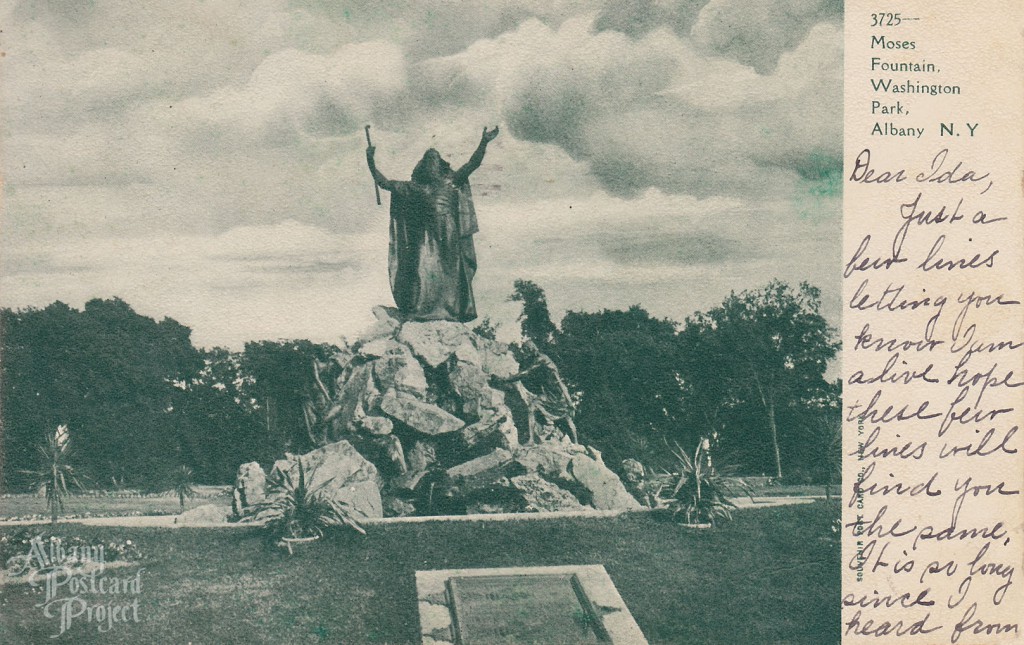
{"x":567,"y":605}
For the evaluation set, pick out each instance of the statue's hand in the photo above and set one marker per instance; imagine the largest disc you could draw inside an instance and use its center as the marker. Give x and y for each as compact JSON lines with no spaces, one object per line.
{"x":490,"y":135}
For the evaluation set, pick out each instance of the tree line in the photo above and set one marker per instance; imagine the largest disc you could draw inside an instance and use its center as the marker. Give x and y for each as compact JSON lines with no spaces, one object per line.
{"x":748,"y":375}
{"x":141,"y":401}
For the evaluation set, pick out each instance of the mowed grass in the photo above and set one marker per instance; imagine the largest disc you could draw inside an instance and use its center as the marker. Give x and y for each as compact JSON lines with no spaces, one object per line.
{"x":770,"y":576}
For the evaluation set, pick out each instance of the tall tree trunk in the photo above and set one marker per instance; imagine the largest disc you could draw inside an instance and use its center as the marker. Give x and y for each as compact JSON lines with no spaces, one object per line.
{"x":775,"y":438}
{"x":768,"y":400}
{"x":272,"y":437}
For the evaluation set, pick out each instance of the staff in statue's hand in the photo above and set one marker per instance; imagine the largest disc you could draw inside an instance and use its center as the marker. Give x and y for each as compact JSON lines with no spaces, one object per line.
{"x":369,"y":155}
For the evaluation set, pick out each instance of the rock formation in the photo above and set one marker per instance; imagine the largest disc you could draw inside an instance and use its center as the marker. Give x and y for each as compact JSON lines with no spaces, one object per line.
{"x":250,"y":487}
{"x":417,"y":418}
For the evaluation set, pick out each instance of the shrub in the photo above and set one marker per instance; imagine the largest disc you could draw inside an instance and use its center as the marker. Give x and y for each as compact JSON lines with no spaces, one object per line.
{"x":55,"y":471}
{"x":183,"y":485}
{"x":16,"y":551}
{"x":295,"y":510}
{"x":700,"y":492}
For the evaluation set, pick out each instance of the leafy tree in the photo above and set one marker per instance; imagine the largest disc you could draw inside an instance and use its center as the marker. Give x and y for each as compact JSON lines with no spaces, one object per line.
{"x":624,"y":364}
{"x":813,"y":447}
{"x":760,"y":357}
{"x":535,"y":320}
{"x":281,"y":378}
{"x":222,"y":416}
{"x":114,"y":376}
{"x":34,"y":393}
{"x":486,"y":328}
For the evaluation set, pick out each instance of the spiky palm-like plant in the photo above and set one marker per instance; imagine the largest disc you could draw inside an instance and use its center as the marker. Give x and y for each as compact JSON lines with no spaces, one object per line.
{"x":183,"y":485}
{"x":295,"y":510}
{"x":55,"y":471}
{"x":700,"y":493}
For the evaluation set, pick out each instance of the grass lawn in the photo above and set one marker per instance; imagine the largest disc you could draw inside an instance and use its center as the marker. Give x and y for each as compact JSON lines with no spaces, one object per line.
{"x":770,"y":576}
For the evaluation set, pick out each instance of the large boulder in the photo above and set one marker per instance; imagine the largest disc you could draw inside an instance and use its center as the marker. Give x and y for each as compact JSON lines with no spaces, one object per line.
{"x":250,"y":488}
{"x":607,"y":493}
{"x":391,"y":447}
{"x":356,"y":394}
{"x":471,"y":387}
{"x":421,"y":456}
{"x":548,"y":459}
{"x":397,"y":368}
{"x":387,"y":325}
{"x":496,"y":358}
{"x":634,"y":478}
{"x":540,"y":495}
{"x":376,"y":426}
{"x":419,"y":415}
{"x":481,"y":470}
{"x":495,"y":428}
{"x":396,"y":507}
{"x":340,"y":473}
{"x":434,"y":342}
{"x":378,"y":347}
{"x":576,"y":470}
{"x":633,"y":470}
{"x":409,"y":480}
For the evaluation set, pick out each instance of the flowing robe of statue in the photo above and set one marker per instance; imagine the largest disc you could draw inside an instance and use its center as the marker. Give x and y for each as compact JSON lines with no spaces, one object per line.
{"x":431,"y":257}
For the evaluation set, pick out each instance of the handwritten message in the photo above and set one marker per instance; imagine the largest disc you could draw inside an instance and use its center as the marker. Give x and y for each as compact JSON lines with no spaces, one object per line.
{"x":933,"y":329}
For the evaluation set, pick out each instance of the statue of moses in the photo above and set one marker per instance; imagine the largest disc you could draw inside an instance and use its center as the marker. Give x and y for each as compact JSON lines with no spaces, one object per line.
{"x":431,"y":258}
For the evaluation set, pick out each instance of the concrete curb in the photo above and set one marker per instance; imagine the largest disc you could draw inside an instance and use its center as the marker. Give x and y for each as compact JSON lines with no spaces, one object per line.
{"x":167,"y":521}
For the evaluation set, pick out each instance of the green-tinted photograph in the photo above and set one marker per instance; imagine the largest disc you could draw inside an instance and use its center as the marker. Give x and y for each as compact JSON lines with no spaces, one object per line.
{"x":489,"y":322}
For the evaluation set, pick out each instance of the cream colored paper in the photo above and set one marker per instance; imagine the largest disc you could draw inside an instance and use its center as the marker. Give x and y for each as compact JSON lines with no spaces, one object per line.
{"x":106,"y":208}
{"x":932,"y":322}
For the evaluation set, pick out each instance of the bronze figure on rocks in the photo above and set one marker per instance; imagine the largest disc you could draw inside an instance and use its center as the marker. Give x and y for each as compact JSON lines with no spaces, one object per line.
{"x":431,"y":257}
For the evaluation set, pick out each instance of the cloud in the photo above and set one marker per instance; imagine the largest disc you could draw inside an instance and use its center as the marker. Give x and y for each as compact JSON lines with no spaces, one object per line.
{"x":293,"y":94}
{"x":752,"y":34}
{"x":655,"y":111}
{"x":636,"y":112}
{"x":286,"y":280}
{"x":756,"y":34}
{"x":673,"y":253}
{"x":639,"y":17}
{"x":206,"y":161}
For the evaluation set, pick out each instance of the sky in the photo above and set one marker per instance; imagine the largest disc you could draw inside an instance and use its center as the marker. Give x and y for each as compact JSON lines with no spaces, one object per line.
{"x":205,"y":159}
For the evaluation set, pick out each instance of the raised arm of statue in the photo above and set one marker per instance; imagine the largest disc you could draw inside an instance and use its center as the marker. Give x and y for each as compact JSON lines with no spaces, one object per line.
{"x":378,"y":176}
{"x":463,"y":173}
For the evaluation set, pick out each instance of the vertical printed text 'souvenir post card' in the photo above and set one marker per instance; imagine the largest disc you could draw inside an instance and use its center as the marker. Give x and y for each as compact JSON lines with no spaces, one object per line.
{"x":510,"y":322}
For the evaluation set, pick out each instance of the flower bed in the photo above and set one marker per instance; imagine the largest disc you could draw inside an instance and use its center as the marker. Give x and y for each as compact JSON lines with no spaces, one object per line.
{"x":28,"y":551}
